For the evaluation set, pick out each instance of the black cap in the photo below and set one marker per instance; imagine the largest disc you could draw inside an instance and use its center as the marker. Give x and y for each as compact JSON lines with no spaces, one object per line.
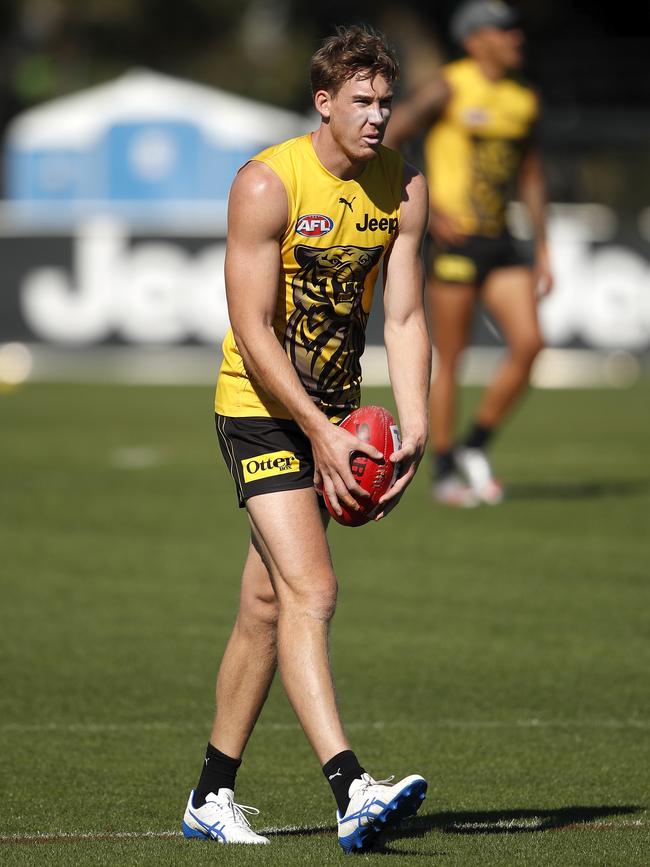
{"x":477,"y":14}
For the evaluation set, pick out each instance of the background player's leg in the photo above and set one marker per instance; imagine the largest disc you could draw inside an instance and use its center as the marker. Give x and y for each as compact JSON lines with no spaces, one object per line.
{"x":450,"y":307}
{"x":249,"y":661}
{"x":509,"y":295}
{"x":290,"y":533}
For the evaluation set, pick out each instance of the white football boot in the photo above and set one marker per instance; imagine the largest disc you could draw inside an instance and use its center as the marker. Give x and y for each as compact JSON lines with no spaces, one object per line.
{"x":476,"y":468}
{"x":376,"y":805}
{"x":220,"y":819}
{"x":453,"y":491}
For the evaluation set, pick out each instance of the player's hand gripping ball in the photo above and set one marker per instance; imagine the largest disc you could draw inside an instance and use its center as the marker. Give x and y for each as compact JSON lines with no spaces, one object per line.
{"x":375,"y":425}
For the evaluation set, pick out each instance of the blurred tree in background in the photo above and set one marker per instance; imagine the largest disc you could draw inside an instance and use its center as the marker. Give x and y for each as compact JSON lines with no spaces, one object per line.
{"x":260,"y":48}
{"x":592,"y":64}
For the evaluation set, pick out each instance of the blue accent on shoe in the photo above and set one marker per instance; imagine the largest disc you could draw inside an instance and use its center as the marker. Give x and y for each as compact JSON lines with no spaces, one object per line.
{"x":405,"y":803}
{"x":192,"y":832}
{"x":211,"y":832}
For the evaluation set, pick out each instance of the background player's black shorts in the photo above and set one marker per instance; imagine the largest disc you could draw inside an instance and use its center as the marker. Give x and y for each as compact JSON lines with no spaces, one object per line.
{"x":472,"y":261}
{"x":265,"y":454}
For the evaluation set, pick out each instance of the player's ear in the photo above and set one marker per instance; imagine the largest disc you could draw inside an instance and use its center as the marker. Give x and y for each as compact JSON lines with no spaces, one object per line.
{"x":322,"y":103}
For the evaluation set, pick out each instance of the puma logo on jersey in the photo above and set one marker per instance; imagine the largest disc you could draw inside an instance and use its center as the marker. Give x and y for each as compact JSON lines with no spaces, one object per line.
{"x":345,"y":202}
{"x":312,"y":225}
{"x":372,"y":224}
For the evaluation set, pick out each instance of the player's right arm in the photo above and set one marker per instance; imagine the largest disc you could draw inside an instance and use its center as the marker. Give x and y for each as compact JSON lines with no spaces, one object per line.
{"x":257,"y":217}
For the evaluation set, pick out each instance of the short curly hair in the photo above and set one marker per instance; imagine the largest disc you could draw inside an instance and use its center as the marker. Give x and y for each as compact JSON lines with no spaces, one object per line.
{"x":353,"y":49}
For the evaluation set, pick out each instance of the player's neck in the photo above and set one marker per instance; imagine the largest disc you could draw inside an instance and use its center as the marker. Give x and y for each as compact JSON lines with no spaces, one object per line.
{"x":331,"y":157}
{"x":490,"y":69}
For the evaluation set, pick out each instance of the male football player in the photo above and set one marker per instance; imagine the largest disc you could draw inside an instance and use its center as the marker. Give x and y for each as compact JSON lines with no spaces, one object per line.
{"x":310,"y":223}
{"x":480,"y":152}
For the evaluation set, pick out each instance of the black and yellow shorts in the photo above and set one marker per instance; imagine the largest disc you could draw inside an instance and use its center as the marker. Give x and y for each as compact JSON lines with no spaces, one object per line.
{"x":472,"y":261}
{"x":265,"y":454}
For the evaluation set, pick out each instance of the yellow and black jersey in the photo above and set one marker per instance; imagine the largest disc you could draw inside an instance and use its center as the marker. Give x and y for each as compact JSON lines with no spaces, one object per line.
{"x":473,"y":153}
{"x":336,"y":235}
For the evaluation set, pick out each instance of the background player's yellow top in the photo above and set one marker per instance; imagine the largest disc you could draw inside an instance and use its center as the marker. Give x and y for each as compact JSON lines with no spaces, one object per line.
{"x":336,"y":236}
{"x":474,"y":152}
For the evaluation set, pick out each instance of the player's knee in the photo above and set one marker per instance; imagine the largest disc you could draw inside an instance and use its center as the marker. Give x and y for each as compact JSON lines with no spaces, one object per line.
{"x":447,"y":362}
{"x":322,"y":604}
{"x":317,"y":600}
{"x":527,"y":347}
{"x":260,"y":610}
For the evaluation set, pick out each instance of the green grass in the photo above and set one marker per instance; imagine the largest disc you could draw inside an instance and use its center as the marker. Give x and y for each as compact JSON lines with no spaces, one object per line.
{"x":502,"y":652}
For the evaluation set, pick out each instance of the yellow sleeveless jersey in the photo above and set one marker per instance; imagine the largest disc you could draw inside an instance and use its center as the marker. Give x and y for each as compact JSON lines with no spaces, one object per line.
{"x":474,"y":151}
{"x":336,"y":235}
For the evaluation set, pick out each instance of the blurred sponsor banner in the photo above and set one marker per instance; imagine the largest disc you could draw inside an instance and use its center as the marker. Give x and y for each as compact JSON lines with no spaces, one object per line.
{"x":108,"y":281}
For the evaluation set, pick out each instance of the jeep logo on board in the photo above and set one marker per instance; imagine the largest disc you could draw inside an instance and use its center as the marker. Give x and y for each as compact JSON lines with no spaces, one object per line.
{"x":311,"y":225}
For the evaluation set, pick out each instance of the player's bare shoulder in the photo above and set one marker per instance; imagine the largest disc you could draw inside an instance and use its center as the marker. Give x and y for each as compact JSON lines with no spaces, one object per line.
{"x":258,"y":192}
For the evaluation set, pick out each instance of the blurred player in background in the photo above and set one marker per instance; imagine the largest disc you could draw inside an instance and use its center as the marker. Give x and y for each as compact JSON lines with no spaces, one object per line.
{"x":480,"y":152}
{"x":310,"y":223}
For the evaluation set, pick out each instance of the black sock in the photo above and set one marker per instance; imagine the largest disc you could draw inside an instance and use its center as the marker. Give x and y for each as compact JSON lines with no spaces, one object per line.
{"x":219,"y":772}
{"x":478,"y":436}
{"x":340,"y":771}
{"x":444,"y":464}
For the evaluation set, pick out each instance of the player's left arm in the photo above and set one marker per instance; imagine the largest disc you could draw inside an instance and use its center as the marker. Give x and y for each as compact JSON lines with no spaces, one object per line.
{"x":532,"y":192}
{"x":406,"y":335}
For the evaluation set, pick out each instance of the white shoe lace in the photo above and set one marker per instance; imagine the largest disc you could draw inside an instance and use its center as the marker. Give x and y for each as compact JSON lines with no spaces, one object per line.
{"x":238,"y":811}
{"x":368,"y":782}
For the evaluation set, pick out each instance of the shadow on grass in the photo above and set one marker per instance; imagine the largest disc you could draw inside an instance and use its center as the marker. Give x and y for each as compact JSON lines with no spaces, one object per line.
{"x":484,"y":822}
{"x":504,"y":822}
{"x":515,"y":821}
{"x":578,"y":490}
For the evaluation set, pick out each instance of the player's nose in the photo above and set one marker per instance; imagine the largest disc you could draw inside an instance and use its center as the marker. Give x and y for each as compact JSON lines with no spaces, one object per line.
{"x":375,"y":116}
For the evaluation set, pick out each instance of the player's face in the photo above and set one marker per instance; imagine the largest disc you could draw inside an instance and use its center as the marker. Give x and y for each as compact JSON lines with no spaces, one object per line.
{"x":358,"y":115}
{"x":506,"y":47}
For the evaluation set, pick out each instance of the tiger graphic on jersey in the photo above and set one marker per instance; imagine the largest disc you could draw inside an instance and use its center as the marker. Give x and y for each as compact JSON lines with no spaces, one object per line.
{"x":325,"y":334}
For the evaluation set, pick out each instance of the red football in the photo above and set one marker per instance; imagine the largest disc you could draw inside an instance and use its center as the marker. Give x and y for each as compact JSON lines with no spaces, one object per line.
{"x":375,"y":425}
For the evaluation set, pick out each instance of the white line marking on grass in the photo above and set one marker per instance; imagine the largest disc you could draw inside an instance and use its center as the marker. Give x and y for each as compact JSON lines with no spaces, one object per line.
{"x":79,"y":836}
{"x":540,"y":823}
{"x":534,"y":823}
{"x":82,"y":836}
{"x":162,"y":725}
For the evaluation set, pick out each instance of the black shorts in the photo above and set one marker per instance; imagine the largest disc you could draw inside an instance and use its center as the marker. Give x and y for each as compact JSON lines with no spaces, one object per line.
{"x":265,"y":454}
{"x":472,"y":261}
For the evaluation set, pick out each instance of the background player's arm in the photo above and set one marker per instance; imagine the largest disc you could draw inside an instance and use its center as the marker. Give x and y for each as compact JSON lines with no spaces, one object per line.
{"x":405,"y":331}
{"x":257,"y":217}
{"x":532,"y":192}
{"x":413,"y":115}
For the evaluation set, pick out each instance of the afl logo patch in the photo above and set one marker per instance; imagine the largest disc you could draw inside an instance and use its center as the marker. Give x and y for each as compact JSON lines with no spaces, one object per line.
{"x":475,"y":116}
{"x":311,"y":225}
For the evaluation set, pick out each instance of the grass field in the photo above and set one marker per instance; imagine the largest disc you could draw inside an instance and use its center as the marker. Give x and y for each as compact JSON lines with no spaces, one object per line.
{"x":503,"y":652}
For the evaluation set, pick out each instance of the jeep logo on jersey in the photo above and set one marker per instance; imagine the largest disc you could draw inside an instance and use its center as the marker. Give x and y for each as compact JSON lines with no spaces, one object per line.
{"x":311,"y":225}
{"x":372,"y":224}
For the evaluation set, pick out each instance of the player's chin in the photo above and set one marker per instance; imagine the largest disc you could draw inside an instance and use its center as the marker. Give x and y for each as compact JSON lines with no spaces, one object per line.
{"x":369,"y":147}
